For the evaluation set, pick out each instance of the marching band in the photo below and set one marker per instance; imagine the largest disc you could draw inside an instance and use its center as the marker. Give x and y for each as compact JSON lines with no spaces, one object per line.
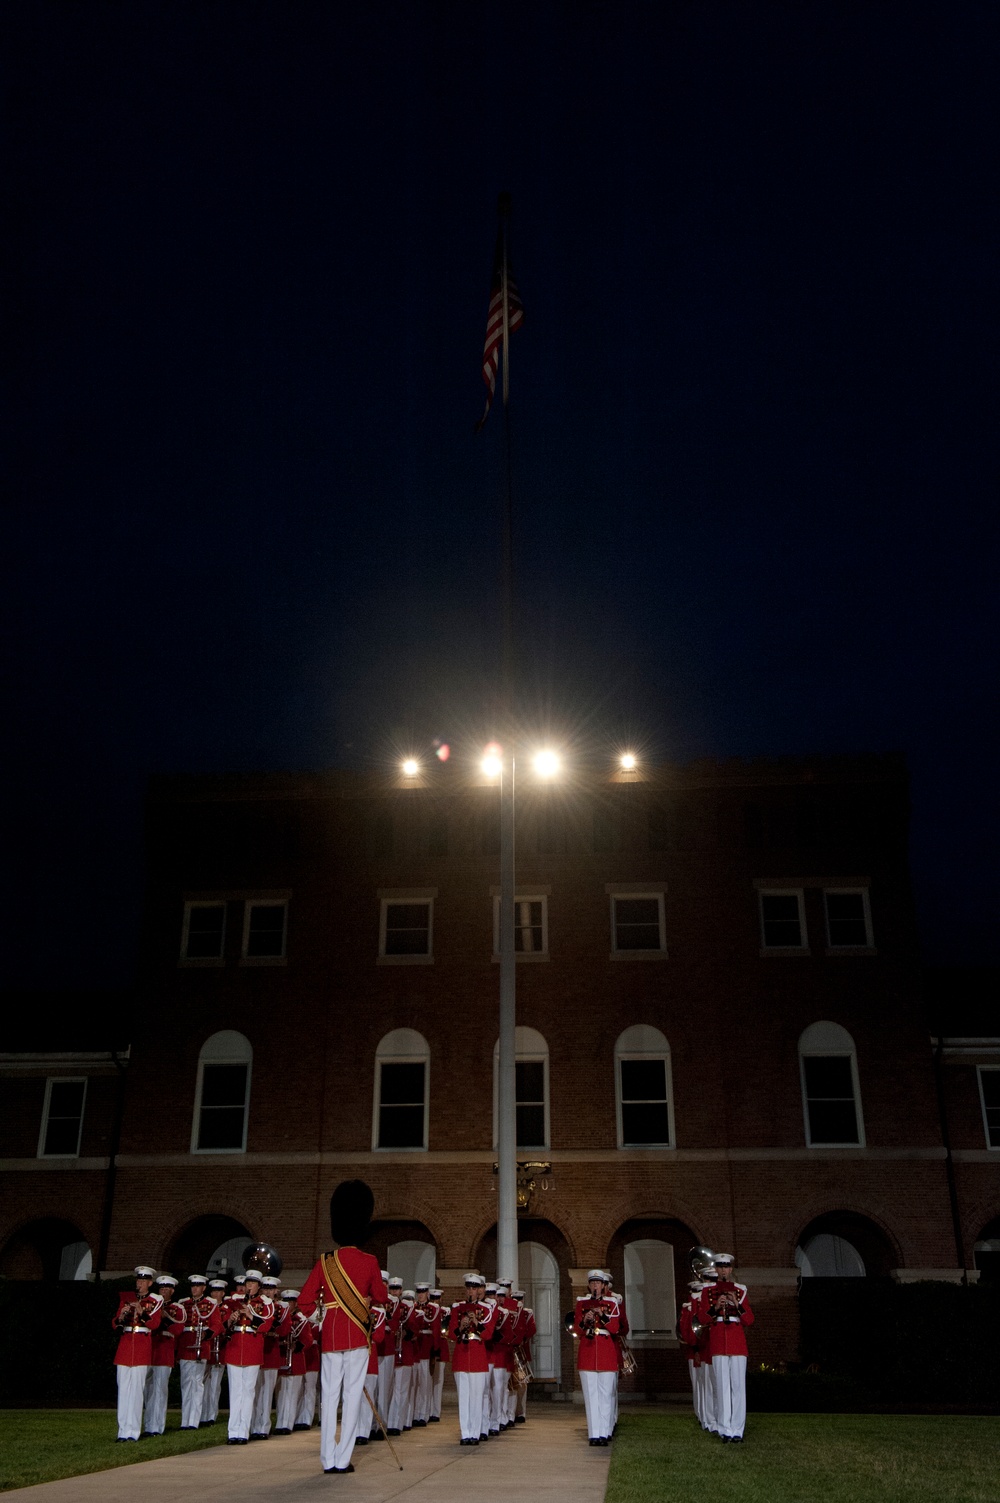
{"x":354,"y":1340}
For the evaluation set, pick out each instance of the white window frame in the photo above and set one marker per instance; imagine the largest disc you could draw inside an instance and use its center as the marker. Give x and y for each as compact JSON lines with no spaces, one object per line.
{"x":534,"y":895}
{"x":652,"y":1050}
{"x":652,"y":891}
{"x":868,"y":948}
{"x":234,"y":1058}
{"x":830,"y":1040}
{"x":783,"y":892}
{"x":981,"y":1070}
{"x":391,"y":896}
{"x":530,"y":1048}
{"x":250,"y":904}
{"x":202,"y":960}
{"x":403,"y":1046}
{"x":61,"y":1080}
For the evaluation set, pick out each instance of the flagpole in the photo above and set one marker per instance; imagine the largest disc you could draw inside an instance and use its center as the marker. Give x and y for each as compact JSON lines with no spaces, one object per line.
{"x":506,"y":1063}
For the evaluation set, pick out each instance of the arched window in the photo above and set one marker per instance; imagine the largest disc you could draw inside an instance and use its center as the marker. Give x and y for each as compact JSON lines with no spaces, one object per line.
{"x":649,"y":1288}
{"x":844,"y":1245}
{"x":831,"y":1098}
{"x":827,"y":1256}
{"x":402,"y":1097}
{"x":531,"y":1054}
{"x":643,"y":1089}
{"x":222,"y":1095}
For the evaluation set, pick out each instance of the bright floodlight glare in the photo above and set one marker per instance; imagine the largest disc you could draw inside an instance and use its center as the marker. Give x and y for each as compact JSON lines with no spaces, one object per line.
{"x":628,"y":762}
{"x":492,"y":766}
{"x":411,"y":767}
{"x":547,"y":764}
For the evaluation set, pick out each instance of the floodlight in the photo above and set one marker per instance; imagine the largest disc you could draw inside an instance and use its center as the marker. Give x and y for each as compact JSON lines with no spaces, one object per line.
{"x":547,"y":764}
{"x":628,"y":762}
{"x":410,"y":767}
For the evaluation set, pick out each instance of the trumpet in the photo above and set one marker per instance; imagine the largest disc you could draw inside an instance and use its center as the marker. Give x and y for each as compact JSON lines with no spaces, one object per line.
{"x":520,"y":1373}
{"x":629,"y":1364}
{"x":597,"y":1314}
{"x":251,"y":1312}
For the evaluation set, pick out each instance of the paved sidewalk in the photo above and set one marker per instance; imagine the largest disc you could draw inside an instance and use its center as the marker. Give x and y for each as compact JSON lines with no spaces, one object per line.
{"x":546,"y":1460}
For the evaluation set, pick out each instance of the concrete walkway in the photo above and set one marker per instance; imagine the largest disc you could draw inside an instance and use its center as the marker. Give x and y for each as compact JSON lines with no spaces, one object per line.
{"x":546,"y":1460}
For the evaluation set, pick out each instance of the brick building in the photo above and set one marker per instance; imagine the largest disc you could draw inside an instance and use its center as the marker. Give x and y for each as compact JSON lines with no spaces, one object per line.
{"x":721,"y":1041}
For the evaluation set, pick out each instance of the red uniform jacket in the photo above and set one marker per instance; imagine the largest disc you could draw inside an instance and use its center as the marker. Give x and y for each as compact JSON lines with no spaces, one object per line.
{"x":596,"y":1351}
{"x":299,"y":1336}
{"x":685,"y":1332}
{"x":246,"y":1329}
{"x":726,"y":1338}
{"x":274,"y":1355}
{"x":340,"y":1334}
{"x":165,"y":1336}
{"x":469,"y":1355}
{"x":378,"y":1332}
{"x":197,"y":1313}
{"x":135,"y":1349}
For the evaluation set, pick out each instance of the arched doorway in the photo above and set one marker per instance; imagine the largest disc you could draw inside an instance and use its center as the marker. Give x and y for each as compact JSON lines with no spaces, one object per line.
{"x":406,"y":1249}
{"x":844,"y":1245}
{"x":648,"y":1260}
{"x":211,"y":1244}
{"x":48,"y":1249}
{"x":538,"y":1275}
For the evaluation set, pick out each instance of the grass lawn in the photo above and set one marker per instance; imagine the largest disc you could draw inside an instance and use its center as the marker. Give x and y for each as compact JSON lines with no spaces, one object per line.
{"x":809,"y":1458}
{"x":40,"y":1445}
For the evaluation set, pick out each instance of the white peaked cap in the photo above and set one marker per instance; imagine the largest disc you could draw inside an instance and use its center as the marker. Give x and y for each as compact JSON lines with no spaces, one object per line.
{"x":504,"y":1283}
{"x":519,"y":1294}
{"x":395,"y":1283}
{"x":167,"y":1278}
{"x":423,"y":1288}
{"x":290,"y":1293}
{"x":385,"y":1274}
{"x":142,"y":1272}
{"x":491,"y":1288}
{"x":217,"y":1284}
{"x":240,"y":1278}
{"x":198,"y":1278}
{"x":437,"y":1293}
{"x":408,"y":1294}
{"x":598,"y":1273}
{"x":724,"y":1259}
{"x":269,"y":1281}
{"x":475,"y":1278}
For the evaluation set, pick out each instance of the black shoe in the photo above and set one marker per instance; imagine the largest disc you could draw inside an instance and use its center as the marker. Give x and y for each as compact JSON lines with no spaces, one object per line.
{"x":519,"y":1419}
{"x":391,"y":1431}
{"x":406,"y":1428}
{"x":301,"y":1427}
{"x":206,"y":1424}
{"x":725,"y":1439}
{"x":484,"y":1437}
{"x":361,"y":1440}
{"x":593,"y":1442}
{"x":473,"y":1442}
{"x":378,"y":1435}
{"x":434,"y":1419}
{"x":419,"y":1424}
{"x":285,"y":1430}
{"x":348,"y":1468}
{"x":735,"y":1440}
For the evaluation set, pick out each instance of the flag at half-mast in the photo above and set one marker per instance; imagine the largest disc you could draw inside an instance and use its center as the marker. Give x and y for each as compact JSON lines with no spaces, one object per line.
{"x":494,"y":320}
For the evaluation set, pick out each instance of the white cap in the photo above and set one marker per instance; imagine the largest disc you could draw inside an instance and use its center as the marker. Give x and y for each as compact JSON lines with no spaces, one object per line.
{"x":724,"y":1259}
{"x":475,"y":1278}
{"x":167,"y":1278}
{"x":436,"y":1293}
{"x":598,"y":1273}
{"x":504,"y":1283}
{"x":385,"y":1275}
{"x":254,"y":1275}
{"x":395,"y":1283}
{"x":142,"y":1272}
{"x":423,"y":1288}
{"x":408,"y":1294}
{"x":240,"y":1278}
{"x":197,"y":1278}
{"x":269,"y":1281}
{"x":290,"y":1293}
{"x":217,"y":1284}
{"x":518,"y":1294}
{"x":491,"y":1288}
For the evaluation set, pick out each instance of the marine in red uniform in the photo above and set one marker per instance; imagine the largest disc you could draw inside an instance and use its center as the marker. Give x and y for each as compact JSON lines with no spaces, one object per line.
{"x":192,"y":1350}
{"x":267,"y":1378}
{"x":439,"y":1355}
{"x":137,"y":1317}
{"x":471,"y":1324}
{"x":724,"y":1308}
{"x":164,"y":1355}
{"x":524,"y":1332}
{"x":687,"y":1332}
{"x":596,"y":1322}
{"x":298,"y":1336}
{"x":215,"y":1360}
{"x":347,"y":1283}
{"x":245,"y":1324}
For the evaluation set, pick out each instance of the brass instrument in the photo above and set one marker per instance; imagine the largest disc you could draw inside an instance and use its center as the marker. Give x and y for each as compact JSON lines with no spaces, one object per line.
{"x":470,"y":1322}
{"x":520,"y":1374}
{"x":598,"y":1313}
{"x":138,"y":1310}
{"x":628,"y":1362}
{"x":253,"y":1311}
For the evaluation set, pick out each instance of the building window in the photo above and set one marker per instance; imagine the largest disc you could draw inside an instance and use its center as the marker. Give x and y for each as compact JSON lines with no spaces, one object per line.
{"x":62,"y":1118}
{"x":831,"y":1097}
{"x":402,"y":1099}
{"x":406,"y":927}
{"x":531,"y":1088}
{"x":222,"y":1095}
{"x":848,"y":919}
{"x":265,"y":926}
{"x":637,"y":925}
{"x":782,"y":920}
{"x":531,"y":926}
{"x":826,"y":1256}
{"x":643,"y":1089}
{"x":989,"y":1095}
{"x":203,"y":933}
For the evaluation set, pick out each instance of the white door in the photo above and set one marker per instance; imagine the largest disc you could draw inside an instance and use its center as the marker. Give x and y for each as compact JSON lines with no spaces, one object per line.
{"x":414,"y":1262}
{"x":538,"y":1272}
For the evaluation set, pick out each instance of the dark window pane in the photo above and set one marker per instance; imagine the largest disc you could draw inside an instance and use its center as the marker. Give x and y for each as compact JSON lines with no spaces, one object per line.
{"x":530,"y":1080}
{"x":530,"y":1126}
{"x":224,"y":1085}
{"x":644,"y":1080}
{"x":266,"y":932}
{"x":221,"y":1127}
{"x":832,"y":1122}
{"x":846,"y":918}
{"x":206,"y":924}
{"x":991,"y":1087}
{"x":401,"y":1126}
{"x":828,"y":1075}
{"x":993,"y":1127}
{"x":648,"y":1123}
{"x":407,"y":928}
{"x":781,"y":920}
{"x":528,"y":927}
{"x":402,"y":1085}
{"x":637,"y":924}
{"x":66,"y":1098}
{"x":62,"y":1135}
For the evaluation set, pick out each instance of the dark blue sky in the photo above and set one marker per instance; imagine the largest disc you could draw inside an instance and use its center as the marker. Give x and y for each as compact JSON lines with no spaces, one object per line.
{"x":755,"y":405}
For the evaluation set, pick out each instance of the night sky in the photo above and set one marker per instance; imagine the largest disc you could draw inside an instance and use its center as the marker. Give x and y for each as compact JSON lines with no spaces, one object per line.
{"x":754,"y":407}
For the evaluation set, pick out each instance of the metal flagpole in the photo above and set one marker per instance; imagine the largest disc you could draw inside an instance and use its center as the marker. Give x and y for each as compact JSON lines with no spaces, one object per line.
{"x":506,"y":1065}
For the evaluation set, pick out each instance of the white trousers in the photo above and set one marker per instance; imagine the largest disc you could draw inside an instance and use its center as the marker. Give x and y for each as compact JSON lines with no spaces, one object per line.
{"x":437,"y":1389}
{"x":422,"y":1389}
{"x":401,"y":1384}
{"x":472,"y":1416}
{"x":192,"y":1393}
{"x":157,"y":1383}
{"x":599,"y":1401}
{"x":131,"y":1387}
{"x":213,"y":1388}
{"x":242,"y":1383}
{"x":289,"y":1398}
{"x":368,"y":1424}
{"x":729,"y":1377}
{"x":386,"y":1374}
{"x":307,"y":1404}
{"x":695,"y":1390}
{"x":343,"y":1381}
{"x":521,"y":1406}
{"x":260,"y":1420}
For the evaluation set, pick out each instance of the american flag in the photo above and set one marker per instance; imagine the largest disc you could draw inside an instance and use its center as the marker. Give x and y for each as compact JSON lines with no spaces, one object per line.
{"x":494,"y":323}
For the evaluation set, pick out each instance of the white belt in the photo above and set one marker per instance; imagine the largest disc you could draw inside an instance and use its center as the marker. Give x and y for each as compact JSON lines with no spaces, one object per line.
{"x":473,"y":1338}
{"x":602,"y":1333}
{"x":138,"y":1331}
{"x":727,"y":1320}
